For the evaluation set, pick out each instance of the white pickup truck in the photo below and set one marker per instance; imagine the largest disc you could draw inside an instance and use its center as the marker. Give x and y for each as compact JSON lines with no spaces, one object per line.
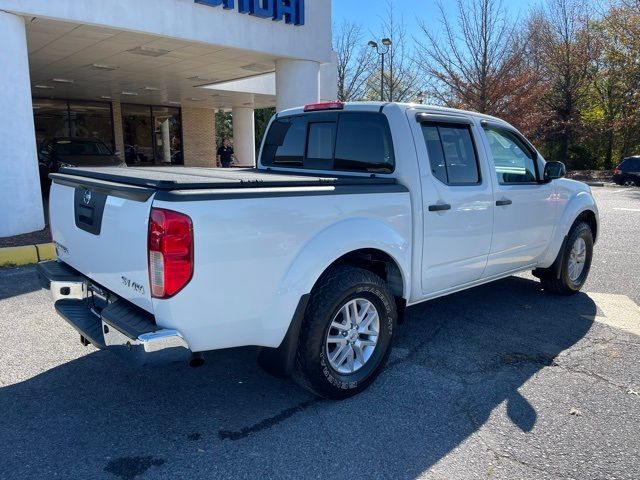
{"x":354,"y":212}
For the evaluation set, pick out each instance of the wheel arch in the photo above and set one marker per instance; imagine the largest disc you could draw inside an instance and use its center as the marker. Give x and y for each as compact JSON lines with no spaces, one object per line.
{"x":590,"y":218}
{"x":360,"y":242}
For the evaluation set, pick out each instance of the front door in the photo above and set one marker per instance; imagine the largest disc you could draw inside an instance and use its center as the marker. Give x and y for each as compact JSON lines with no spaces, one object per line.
{"x":456,"y":201}
{"x":525,"y":209}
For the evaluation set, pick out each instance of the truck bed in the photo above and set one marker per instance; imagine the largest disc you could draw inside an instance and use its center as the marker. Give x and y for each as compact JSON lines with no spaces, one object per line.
{"x":190,"y":178}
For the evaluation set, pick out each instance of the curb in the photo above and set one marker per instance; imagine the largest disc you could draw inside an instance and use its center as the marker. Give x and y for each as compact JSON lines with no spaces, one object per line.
{"x":26,"y":255}
{"x":595,"y":184}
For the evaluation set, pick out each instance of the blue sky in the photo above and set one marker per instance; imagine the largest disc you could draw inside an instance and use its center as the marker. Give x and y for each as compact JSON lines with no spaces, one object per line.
{"x":368,"y":12}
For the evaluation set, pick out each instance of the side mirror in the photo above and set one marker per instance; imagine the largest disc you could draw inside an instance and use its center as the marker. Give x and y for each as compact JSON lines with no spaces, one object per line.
{"x":554,"y":170}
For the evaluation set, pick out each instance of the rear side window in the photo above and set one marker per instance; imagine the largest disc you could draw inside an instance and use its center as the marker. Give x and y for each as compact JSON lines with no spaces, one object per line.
{"x":452,"y":153}
{"x":631,"y":165}
{"x":354,"y":142}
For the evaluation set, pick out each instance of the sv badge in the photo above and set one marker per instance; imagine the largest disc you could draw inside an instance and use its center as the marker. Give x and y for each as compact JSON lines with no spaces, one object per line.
{"x":133,"y":285}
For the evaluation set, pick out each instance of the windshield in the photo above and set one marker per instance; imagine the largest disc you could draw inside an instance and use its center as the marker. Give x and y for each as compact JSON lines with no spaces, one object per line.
{"x":80,"y":147}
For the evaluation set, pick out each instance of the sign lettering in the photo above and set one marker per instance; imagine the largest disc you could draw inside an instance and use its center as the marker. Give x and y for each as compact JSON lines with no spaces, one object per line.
{"x":291,"y":11}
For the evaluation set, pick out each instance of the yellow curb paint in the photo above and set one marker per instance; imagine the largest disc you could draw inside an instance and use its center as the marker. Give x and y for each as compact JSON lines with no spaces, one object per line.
{"x":618,"y":311}
{"x":14,"y":256}
{"x":46,"y":251}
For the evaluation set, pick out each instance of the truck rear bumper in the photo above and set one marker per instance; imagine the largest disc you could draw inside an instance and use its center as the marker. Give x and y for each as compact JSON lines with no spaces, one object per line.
{"x":109,"y":322}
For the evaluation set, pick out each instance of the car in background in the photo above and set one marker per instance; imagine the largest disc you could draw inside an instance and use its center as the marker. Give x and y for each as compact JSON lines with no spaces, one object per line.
{"x":628,"y":172}
{"x":73,"y":152}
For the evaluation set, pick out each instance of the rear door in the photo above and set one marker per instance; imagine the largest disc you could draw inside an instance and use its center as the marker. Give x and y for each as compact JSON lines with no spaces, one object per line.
{"x":456,"y":202}
{"x":525,"y":209}
{"x":101,"y":231}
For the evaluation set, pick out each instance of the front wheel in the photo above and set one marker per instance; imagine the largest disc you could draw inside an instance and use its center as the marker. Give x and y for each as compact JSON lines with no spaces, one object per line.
{"x":346,"y":333}
{"x":576,"y":262}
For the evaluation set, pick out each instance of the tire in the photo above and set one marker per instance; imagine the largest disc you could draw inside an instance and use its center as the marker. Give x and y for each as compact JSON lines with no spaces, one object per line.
{"x":343,"y":288}
{"x":630,"y":182}
{"x":568,"y":283}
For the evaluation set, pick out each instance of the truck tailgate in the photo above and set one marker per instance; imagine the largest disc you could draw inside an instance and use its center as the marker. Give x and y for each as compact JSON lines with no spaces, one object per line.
{"x":100,"y":229}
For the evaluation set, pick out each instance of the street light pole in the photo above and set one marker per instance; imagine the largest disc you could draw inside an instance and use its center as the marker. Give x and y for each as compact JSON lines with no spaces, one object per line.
{"x":382,"y":78}
{"x":387,"y":44}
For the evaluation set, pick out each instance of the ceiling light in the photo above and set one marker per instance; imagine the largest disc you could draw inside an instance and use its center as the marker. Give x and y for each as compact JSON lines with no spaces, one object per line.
{"x":194,"y":99}
{"x":257,"y":67}
{"x":101,"y":66}
{"x":130,"y":94}
{"x":62,"y":80}
{"x":148,"y":51}
{"x":173,"y":102}
{"x":152,"y":89}
{"x":44,"y":87}
{"x":105,"y":97}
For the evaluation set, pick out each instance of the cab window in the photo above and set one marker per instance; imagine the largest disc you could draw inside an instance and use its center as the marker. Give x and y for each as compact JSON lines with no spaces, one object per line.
{"x":345,"y":141}
{"x":452,"y":153}
{"x":513,"y":160}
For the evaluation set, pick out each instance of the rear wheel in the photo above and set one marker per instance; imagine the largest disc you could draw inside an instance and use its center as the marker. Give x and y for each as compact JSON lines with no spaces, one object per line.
{"x":346,"y":333}
{"x":630,"y":182}
{"x":576,"y":262}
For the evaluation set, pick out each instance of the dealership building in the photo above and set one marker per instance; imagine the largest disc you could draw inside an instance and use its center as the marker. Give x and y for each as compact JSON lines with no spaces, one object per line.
{"x":146,"y":77}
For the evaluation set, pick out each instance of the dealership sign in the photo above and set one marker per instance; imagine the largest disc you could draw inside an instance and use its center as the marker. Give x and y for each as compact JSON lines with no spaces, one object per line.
{"x":291,"y":11}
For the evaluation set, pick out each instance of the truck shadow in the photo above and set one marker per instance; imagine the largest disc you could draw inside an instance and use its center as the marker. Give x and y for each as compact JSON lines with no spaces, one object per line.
{"x":456,"y":360}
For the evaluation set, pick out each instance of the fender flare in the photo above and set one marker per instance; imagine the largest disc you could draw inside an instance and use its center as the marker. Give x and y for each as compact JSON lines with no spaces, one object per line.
{"x":578,"y":204}
{"x":346,"y":236}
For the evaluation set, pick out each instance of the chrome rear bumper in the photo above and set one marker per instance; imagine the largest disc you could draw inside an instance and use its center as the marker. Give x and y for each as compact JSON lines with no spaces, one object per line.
{"x":109,"y":322}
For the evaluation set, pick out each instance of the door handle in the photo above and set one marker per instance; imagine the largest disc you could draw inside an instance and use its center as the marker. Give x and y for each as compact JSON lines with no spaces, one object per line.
{"x":503,"y":203}
{"x":440,"y":207}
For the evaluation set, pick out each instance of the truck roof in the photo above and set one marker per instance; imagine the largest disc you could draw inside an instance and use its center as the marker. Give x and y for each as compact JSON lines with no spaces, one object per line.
{"x":378,"y":106}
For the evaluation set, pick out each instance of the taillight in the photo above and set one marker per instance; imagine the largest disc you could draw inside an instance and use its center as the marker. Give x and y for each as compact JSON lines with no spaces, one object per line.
{"x":170,"y":245}
{"x":617,"y":171}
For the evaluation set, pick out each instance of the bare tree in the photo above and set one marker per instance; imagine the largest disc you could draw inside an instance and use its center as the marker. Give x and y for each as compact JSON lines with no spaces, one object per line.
{"x":477,"y":63}
{"x":355,"y":61}
{"x":563,"y":39}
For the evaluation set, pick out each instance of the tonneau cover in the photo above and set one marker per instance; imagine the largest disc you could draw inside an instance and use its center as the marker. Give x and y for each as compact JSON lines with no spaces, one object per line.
{"x":186,"y":178}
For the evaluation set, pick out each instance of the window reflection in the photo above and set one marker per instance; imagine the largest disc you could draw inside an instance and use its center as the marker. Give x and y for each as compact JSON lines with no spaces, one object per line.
{"x":62,"y":118}
{"x":152,"y":135}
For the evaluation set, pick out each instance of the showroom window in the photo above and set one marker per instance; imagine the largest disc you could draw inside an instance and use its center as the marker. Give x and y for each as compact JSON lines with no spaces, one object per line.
{"x":152,"y":135}
{"x":62,"y":118}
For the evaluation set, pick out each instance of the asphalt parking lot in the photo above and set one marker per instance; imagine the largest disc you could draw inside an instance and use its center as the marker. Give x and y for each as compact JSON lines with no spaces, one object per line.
{"x":502,"y":381}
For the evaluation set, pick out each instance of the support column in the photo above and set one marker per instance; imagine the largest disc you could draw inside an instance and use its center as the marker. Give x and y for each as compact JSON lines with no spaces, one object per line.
{"x":244,"y":136}
{"x":199,"y":136}
{"x":297,"y":83}
{"x":118,"y":131}
{"x":20,"y":194}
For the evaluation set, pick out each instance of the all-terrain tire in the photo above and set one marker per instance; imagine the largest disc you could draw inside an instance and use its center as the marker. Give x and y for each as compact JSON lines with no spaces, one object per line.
{"x":564,"y":284}
{"x":337,"y":287}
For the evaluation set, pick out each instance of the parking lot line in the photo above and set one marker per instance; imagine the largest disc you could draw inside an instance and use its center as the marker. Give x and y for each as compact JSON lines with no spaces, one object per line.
{"x":627,"y":209}
{"x":618,"y":311}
